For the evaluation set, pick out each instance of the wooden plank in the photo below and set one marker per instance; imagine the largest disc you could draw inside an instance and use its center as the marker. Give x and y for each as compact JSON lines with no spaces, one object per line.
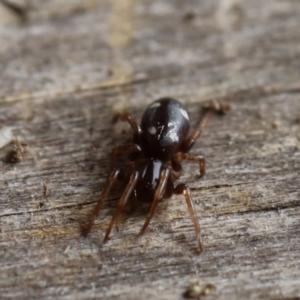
{"x":63,"y":73}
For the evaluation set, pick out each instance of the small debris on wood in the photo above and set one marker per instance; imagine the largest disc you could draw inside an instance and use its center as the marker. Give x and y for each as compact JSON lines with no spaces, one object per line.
{"x":196,"y":289}
{"x":275,"y":124}
{"x":297,"y":121}
{"x":16,"y":153}
{"x":46,"y":190}
{"x":189,"y":16}
{"x":67,"y":249}
{"x":6,"y":136}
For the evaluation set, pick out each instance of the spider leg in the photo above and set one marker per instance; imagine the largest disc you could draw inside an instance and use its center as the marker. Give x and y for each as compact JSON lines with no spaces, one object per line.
{"x":122,"y":202}
{"x":183,"y":189}
{"x":127,"y":148}
{"x":109,"y":182}
{"x":190,"y":141}
{"x":157,"y":196}
{"x":180,"y":156}
{"x":134,"y":125}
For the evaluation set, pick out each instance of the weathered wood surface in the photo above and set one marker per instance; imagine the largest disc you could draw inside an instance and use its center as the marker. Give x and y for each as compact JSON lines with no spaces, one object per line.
{"x":68,"y":65}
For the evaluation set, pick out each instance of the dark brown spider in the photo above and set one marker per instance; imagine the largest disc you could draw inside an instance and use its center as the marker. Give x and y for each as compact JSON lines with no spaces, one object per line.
{"x":158,"y":147}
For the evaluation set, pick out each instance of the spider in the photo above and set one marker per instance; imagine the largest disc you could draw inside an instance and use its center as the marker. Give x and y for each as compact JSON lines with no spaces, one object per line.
{"x":159,"y":145}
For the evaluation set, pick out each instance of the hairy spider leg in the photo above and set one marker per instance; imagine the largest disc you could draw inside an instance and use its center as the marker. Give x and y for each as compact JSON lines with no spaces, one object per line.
{"x":112,"y":177}
{"x":190,"y":141}
{"x":127,"y":148}
{"x":122,"y":202}
{"x":179,"y":157}
{"x":160,"y":189}
{"x":184,"y":189}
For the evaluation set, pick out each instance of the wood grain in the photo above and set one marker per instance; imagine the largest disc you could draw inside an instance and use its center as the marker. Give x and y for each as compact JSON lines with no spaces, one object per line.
{"x":69,"y":66}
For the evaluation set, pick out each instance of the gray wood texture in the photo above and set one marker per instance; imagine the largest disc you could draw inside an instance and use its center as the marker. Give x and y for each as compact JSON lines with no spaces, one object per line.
{"x":67,"y":65}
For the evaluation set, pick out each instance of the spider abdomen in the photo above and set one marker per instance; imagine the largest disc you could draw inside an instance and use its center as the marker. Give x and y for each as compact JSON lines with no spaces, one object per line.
{"x":165,"y":125}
